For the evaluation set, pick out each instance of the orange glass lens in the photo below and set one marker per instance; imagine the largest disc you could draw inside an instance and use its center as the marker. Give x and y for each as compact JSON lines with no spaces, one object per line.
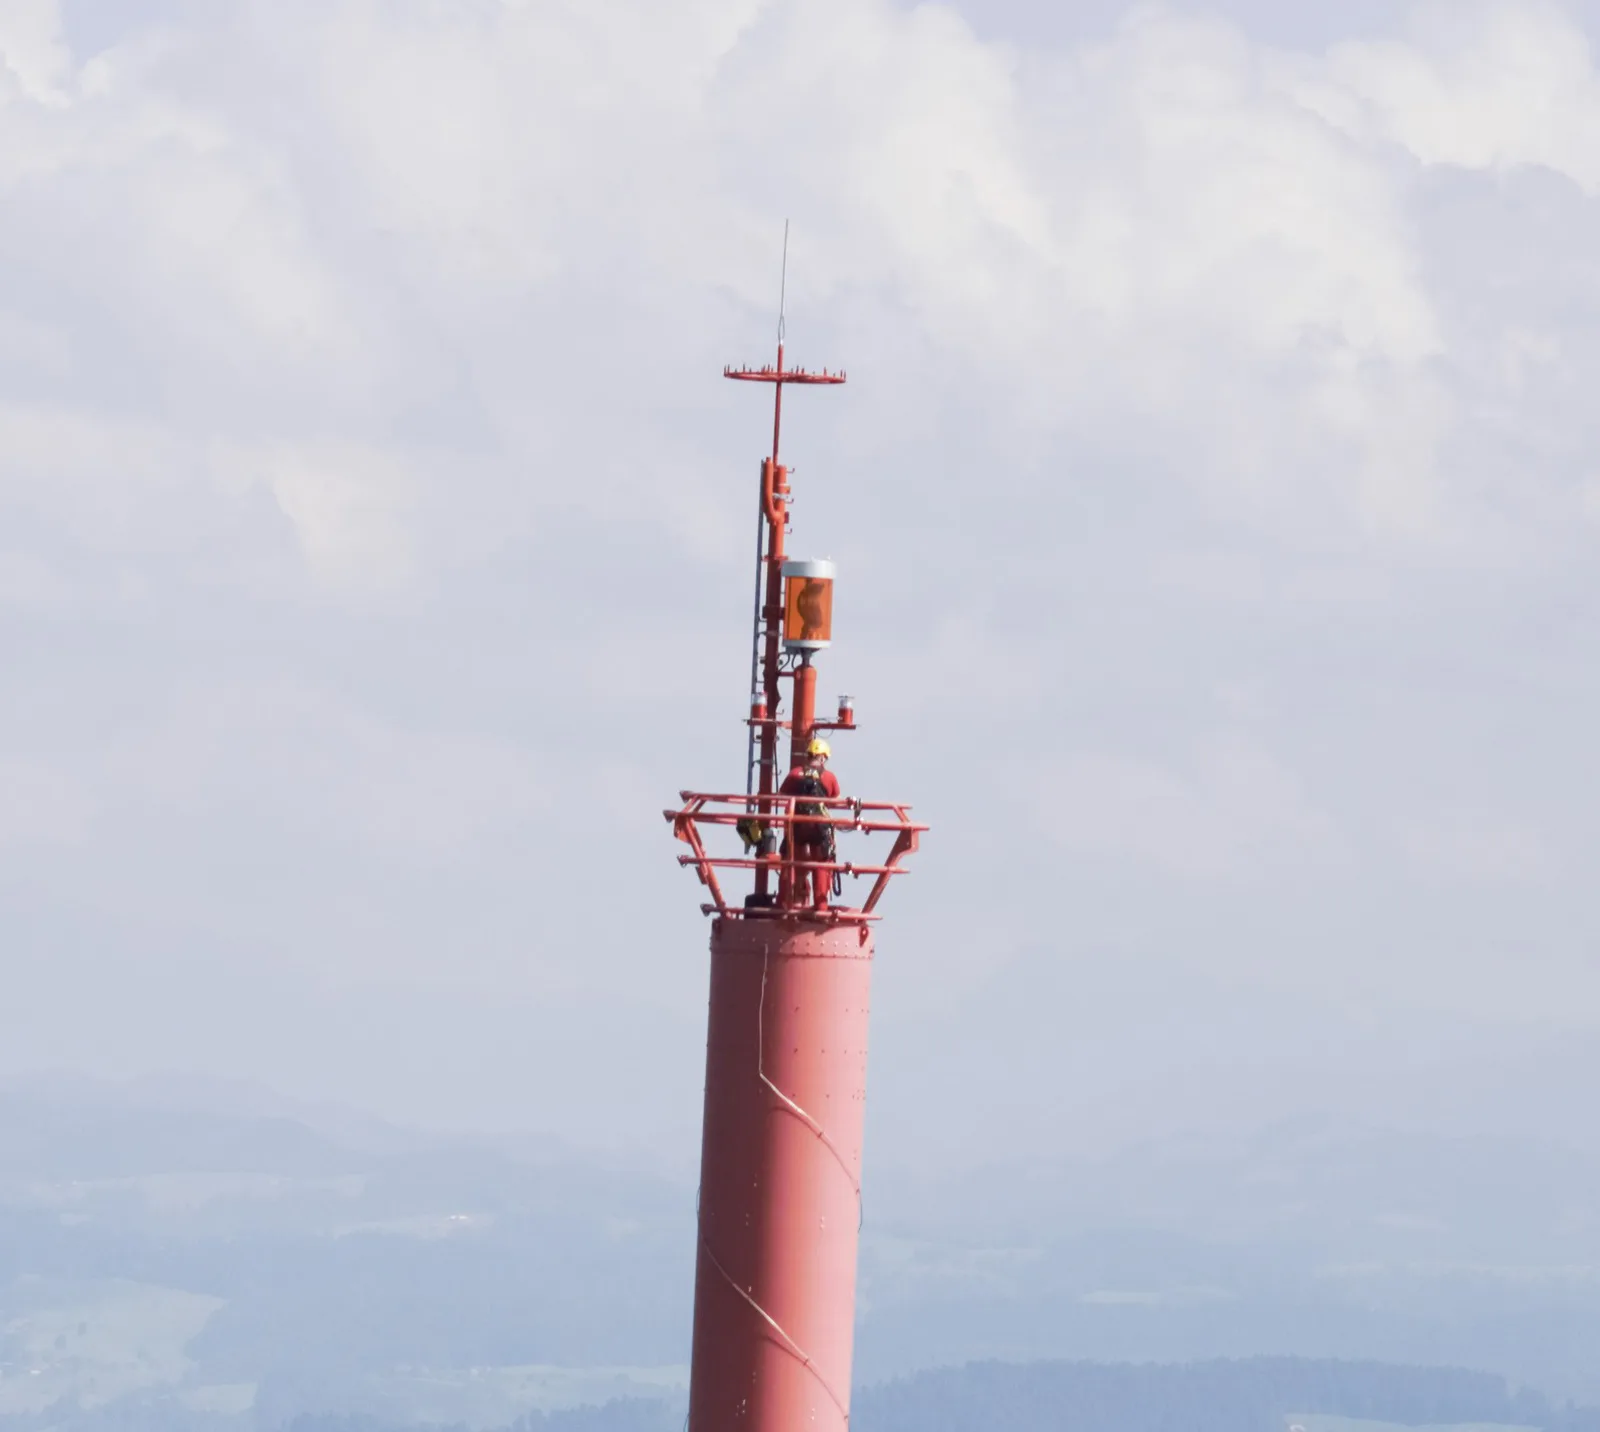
{"x":808,"y":609}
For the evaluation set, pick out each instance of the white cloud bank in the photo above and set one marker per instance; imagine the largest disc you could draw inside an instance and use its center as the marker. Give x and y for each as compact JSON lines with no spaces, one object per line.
{"x":1172,"y":227}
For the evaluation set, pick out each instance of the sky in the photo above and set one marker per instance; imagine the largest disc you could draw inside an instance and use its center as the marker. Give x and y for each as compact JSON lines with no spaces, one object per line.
{"x":1215,"y":497}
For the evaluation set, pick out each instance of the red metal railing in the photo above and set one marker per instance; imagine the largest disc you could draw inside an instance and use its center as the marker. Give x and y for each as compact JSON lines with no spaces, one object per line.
{"x":778,"y":813}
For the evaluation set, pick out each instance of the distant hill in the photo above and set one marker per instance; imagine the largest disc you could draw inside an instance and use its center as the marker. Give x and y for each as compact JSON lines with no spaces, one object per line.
{"x":1254,"y":1395}
{"x":621,"y":1416}
{"x":219,"y":1260}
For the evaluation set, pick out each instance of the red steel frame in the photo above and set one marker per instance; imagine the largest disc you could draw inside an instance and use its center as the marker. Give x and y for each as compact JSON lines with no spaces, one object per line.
{"x":761,"y":800}
{"x":775,"y":492}
{"x":843,"y":814}
{"x":780,"y":1190}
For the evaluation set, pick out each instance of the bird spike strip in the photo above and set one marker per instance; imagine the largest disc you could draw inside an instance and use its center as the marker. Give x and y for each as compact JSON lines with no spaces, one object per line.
{"x":770,"y":374}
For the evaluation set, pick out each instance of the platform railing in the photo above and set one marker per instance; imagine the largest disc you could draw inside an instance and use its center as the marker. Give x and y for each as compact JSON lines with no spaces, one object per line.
{"x":702,"y":814}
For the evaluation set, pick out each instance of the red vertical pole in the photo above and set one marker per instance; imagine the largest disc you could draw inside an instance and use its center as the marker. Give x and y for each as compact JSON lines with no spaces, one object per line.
{"x":777,"y":520}
{"x":804,"y":713}
{"x":777,"y":404}
{"x":774,"y":502}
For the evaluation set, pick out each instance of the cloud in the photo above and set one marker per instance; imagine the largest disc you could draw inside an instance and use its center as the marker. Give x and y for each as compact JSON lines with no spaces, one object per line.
{"x":36,"y":62}
{"x":1487,"y":86}
{"x":375,"y":518}
{"x":348,"y":508}
{"x":1172,"y":230}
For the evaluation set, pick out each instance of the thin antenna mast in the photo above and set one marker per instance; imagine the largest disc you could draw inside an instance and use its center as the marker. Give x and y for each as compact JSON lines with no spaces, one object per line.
{"x":783,"y":281}
{"x":750,"y":762}
{"x":765,"y":668}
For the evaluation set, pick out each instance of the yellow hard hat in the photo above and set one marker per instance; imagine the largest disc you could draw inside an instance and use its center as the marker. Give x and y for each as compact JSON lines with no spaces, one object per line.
{"x":819,"y":747}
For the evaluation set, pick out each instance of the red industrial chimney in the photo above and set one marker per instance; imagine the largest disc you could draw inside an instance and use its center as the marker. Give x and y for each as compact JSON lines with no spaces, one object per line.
{"x":786,"y":1048}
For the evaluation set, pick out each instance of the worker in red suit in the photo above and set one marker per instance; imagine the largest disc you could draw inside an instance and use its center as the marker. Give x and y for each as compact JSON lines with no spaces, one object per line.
{"x":813,"y":840}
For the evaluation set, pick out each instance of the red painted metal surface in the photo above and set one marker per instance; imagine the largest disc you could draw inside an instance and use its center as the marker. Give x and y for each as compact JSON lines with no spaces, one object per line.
{"x":780,"y":1176}
{"x":780,"y":1161}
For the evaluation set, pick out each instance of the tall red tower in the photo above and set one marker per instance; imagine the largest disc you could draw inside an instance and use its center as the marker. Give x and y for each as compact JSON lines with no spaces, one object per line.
{"x":786,"y":1046}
